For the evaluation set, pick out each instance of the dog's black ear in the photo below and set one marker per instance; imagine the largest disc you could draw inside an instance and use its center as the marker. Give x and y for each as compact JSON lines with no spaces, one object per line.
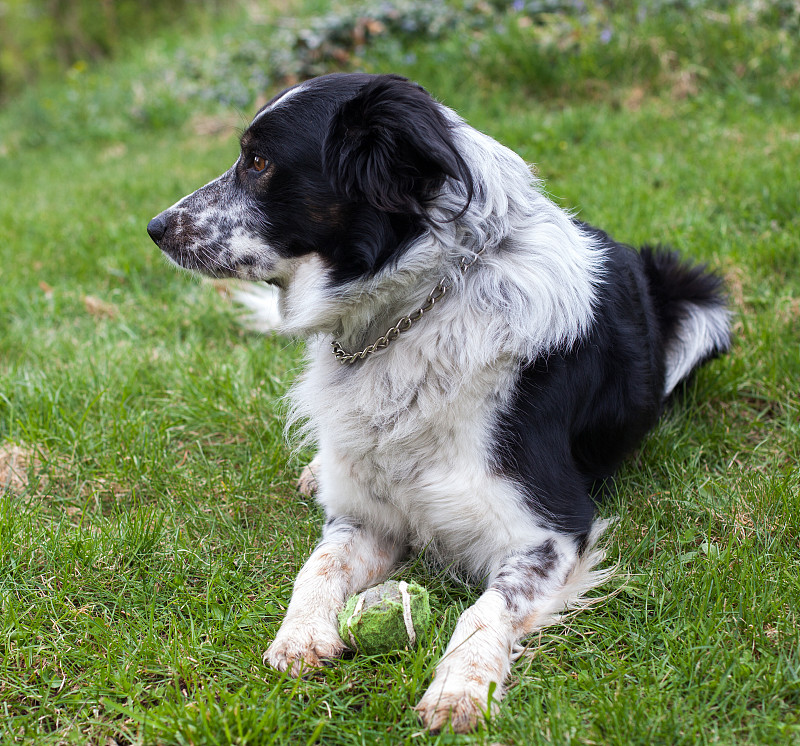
{"x":392,"y":148}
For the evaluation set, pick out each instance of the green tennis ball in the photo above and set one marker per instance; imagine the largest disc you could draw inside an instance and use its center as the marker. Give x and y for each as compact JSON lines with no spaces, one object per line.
{"x":386,"y":617}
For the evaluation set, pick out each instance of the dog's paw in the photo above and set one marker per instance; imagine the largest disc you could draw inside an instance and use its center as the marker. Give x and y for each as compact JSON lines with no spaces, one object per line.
{"x":307,"y":484}
{"x":301,"y":648}
{"x":461,"y":701}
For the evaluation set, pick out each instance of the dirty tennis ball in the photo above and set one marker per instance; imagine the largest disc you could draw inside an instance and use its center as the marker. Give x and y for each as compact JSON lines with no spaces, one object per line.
{"x":387,"y":617}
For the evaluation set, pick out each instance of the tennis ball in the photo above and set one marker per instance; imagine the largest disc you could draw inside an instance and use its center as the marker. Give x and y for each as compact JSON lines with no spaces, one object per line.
{"x":386,"y":617}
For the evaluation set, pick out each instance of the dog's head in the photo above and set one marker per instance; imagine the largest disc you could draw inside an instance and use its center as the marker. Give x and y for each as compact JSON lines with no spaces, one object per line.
{"x":342,"y":168}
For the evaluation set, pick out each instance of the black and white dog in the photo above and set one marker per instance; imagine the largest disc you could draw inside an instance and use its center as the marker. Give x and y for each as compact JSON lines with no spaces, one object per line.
{"x":479,"y":362}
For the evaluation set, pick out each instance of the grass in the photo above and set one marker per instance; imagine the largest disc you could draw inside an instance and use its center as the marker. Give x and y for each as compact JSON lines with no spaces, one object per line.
{"x":150,"y":535}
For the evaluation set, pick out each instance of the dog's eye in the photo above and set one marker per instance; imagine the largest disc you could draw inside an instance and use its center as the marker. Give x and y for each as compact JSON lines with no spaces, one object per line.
{"x":258,"y":163}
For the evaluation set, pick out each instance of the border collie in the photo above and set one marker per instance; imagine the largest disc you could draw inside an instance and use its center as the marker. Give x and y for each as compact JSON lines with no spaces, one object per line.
{"x":478,"y":361}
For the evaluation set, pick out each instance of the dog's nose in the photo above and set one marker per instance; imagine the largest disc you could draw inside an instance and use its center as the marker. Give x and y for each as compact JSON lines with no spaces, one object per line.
{"x":157,"y":227}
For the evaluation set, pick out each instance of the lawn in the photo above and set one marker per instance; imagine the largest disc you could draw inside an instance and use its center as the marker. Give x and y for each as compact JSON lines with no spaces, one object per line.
{"x":149,"y":527}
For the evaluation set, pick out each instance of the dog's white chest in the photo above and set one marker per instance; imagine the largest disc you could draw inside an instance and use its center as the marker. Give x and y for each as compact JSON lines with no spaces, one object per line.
{"x":412,"y":458}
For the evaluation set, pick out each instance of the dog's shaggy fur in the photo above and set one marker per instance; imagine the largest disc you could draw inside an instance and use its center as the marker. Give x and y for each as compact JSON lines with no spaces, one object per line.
{"x":484,"y":430}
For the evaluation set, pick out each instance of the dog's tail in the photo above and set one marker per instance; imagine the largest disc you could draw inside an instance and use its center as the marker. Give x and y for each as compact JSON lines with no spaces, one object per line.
{"x":692,"y":312}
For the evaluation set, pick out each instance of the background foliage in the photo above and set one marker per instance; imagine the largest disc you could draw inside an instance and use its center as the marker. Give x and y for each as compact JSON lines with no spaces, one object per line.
{"x":45,"y":37}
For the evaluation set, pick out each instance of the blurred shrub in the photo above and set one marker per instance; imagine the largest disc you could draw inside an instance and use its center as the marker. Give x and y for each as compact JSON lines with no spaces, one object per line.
{"x":43,"y":37}
{"x":244,"y":68}
{"x":557,"y":49}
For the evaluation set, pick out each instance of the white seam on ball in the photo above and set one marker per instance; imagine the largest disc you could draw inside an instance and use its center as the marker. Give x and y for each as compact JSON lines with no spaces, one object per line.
{"x":356,"y":612}
{"x":412,"y":634}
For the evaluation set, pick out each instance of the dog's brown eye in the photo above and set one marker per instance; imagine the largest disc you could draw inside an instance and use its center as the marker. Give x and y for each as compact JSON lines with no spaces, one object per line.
{"x":259,"y":164}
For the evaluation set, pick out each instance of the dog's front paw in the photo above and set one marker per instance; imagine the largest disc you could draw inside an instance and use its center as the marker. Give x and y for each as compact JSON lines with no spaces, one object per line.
{"x":463,"y":701}
{"x":303,"y":646}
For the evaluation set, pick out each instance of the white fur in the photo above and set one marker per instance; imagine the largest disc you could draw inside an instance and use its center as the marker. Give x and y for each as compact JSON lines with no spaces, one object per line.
{"x":471,"y":675}
{"x":262,"y":300}
{"x":702,"y":330}
{"x":348,"y":559}
{"x":279,"y":101}
{"x":402,"y":437}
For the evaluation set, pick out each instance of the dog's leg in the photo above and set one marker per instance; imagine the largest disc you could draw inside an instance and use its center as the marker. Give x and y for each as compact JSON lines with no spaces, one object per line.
{"x":349,"y":558}
{"x":527,"y":590}
{"x":307,"y":484}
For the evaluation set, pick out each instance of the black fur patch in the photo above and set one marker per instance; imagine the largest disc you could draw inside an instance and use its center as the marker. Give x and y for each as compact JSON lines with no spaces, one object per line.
{"x":391,"y":147}
{"x":576,"y":414}
{"x":521,"y":576}
{"x":375,"y":151}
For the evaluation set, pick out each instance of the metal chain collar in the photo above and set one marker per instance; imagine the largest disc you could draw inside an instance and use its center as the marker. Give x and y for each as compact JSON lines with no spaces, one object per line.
{"x":403,"y":324}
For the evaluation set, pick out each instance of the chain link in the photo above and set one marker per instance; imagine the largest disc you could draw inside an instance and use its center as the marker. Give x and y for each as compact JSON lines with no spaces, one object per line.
{"x":403,"y":324}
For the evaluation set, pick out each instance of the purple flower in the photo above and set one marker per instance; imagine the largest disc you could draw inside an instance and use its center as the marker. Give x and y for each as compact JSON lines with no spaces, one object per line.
{"x":605,"y":35}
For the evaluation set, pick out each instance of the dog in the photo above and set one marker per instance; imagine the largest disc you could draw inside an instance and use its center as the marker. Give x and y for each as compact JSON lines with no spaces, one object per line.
{"x":479,"y":362}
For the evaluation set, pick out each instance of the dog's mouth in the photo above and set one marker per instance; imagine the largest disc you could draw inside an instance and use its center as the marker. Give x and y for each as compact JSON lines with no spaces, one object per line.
{"x":193,"y":262}
{"x":215,"y":266}
{"x":215,"y":254}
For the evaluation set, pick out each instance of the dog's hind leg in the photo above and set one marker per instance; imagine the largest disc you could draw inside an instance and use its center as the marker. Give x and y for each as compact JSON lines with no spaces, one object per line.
{"x":528,"y":592}
{"x":349,"y":558}
{"x":307,"y":483}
